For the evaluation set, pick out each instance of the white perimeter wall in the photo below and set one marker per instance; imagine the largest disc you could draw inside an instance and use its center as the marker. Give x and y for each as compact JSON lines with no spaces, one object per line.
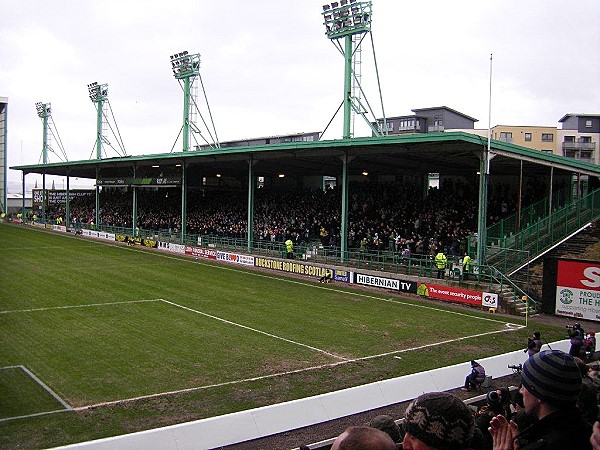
{"x":260,"y":422}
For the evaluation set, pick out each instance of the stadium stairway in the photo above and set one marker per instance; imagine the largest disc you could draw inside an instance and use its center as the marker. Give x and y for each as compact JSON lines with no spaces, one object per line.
{"x":577,"y":246}
{"x":509,"y":252}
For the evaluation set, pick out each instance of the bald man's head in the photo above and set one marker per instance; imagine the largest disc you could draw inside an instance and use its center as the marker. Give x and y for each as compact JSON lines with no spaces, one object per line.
{"x":363,"y":438}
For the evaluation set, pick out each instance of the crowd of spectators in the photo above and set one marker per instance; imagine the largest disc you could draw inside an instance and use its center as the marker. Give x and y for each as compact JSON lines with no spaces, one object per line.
{"x":399,"y":217}
{"x":547,"y":412}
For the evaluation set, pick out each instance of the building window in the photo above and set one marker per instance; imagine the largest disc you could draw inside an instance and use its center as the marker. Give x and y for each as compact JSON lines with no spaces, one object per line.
{"x":569,"y":138}
{"x":547,"y":137}
{"x":506,"y":136}
{"x":527,"y":137}
{"x":588,"y":123}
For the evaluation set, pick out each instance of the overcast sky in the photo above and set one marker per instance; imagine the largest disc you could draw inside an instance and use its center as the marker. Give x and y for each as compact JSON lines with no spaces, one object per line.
{"x":268,"y":68}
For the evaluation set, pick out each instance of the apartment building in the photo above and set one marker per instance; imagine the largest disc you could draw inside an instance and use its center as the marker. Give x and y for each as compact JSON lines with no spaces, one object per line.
{"x":579,"y":136}
{"x":427,"y":120}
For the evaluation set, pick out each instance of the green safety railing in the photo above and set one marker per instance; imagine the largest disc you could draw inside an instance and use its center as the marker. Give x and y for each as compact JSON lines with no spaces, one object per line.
{"x":528,"y":215}
{"x":514,"y":250}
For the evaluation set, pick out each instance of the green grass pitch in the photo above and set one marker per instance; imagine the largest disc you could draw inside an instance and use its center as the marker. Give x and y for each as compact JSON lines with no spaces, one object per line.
{"x":134,"y":339}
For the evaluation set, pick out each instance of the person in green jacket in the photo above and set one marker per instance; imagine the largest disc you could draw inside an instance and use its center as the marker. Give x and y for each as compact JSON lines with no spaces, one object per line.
{"x":440,"y":262}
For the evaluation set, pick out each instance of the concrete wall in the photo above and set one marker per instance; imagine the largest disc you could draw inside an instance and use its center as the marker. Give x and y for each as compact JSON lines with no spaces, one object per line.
{"x":260,"y":422}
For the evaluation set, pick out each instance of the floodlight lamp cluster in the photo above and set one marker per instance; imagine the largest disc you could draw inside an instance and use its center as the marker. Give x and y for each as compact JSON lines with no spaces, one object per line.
{"x":43,"y":109}
{"x":98,"y":92}
{"x":346,"y":18}
{"x":185,"y":65}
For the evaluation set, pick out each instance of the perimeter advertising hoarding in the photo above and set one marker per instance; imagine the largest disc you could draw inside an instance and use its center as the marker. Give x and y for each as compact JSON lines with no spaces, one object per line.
{"x":386,"y":283}
{"x":236,"y":258}
{"x":199,"y":252}
{"x":578,"y":289}
{"x":459,"y":295}
{"x":291,"y":266}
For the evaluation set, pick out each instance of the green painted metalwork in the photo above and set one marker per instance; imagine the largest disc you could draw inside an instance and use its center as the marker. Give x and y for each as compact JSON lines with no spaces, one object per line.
{"x":186,"y":67}
{"x":251,"y":189}
{"x":135,"y":203}
{"x":97,"y":222}
{"x":67,"y":205}
{"x":186,"y":114}
{"x":347,"y":87}
{"x":344,"y":216}
{"x":482,"y":215}
{"x":183,"y":200}
{"x":45,"y":198}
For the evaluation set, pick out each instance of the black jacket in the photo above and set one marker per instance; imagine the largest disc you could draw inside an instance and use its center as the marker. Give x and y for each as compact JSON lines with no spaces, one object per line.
{"x":561,"y":430}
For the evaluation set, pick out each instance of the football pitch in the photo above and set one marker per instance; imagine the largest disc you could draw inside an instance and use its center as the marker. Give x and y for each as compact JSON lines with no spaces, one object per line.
{"x":99,"y":339}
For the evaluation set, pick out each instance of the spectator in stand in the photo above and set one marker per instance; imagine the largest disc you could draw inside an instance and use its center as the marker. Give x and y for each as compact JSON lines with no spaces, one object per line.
{"x":363,"y":438}
{"x":497,"y":402}
{"x":438,"y":421}
{"x":551,"y":382}
{"x":475,"y":378}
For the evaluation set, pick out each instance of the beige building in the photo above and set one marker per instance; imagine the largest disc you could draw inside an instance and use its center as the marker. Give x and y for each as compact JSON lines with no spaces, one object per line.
{"x":537,"y":138}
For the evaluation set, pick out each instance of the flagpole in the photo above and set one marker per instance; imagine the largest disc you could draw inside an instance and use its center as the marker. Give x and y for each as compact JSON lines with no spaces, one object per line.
{"x":489,"y":118}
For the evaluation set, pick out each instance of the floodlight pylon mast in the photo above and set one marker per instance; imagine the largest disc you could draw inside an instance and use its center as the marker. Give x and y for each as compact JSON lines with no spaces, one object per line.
{"x":345,"y":20}
{"x":186,"y":68}
{"x":98,"y":95}
{"x":44,"y":112}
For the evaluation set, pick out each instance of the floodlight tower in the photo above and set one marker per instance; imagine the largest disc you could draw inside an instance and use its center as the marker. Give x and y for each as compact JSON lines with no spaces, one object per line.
{"x":186,"y":68}
{"x":343,"y":20}
{"x":98,"y":95}
{"x":44,"y":112}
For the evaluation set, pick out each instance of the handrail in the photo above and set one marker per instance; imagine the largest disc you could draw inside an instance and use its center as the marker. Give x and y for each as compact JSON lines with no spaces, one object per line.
{"x":514,"y":250}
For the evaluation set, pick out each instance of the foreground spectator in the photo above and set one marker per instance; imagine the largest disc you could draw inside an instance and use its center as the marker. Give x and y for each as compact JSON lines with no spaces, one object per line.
{"x":364,"y":438}
{"x":387,"y":424}
{"x":551,"y":382}
{"x":438,"y":421}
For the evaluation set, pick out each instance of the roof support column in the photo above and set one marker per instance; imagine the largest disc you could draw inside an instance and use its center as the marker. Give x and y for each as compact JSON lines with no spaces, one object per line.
{"x":134,"y":205}
{"x":519,"y":203}
{"x":97,"y":199}
{"x":251,"y":189}
{"x":482,"y":214}
{"x":44,"y":197}
{"x":344,"y":216}
{"x":23,"y":203}
{"x":183,"y":201}
{"x":67,"y":203}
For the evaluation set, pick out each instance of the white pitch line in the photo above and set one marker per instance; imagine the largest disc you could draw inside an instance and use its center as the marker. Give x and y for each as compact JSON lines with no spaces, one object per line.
{"x":289,"y":372}
{"x":229,"y":322}
{"x":45,"y":387}
{"x":50,"y":308}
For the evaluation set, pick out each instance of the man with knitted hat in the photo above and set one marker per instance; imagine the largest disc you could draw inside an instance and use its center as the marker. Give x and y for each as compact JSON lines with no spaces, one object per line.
{"x":438,"y":421}
{"x":551,"y":382}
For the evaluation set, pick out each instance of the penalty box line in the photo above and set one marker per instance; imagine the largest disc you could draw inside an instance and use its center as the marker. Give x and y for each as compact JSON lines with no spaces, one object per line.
{"x":290,"y":372}
{"x":89,"y":305}
{"x":45,"y":387}
{"x":255,"y":330}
